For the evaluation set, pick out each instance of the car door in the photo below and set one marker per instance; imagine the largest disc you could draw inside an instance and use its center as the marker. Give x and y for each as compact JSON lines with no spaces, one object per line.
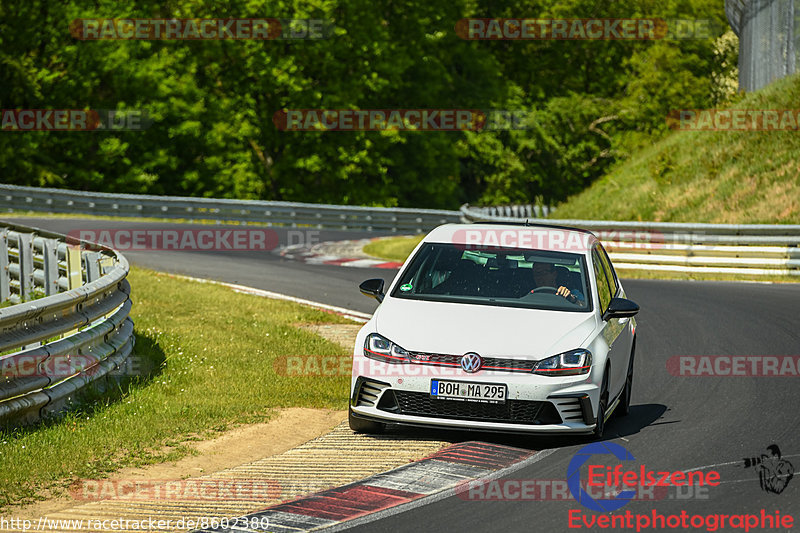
{"x":624,"y":340}
{"x":607,"y":288}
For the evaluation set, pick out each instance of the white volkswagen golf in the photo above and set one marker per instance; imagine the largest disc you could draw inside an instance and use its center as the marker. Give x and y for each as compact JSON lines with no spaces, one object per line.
{"x":495,"y":327}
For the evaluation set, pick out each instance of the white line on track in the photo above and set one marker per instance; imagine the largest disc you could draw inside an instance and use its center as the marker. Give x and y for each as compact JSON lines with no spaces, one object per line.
{"x":726,"y":464}
{"x":356,"y":316}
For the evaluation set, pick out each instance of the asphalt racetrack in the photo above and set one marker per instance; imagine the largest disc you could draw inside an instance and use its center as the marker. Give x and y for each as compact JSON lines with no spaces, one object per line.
{"x":677,"y":422}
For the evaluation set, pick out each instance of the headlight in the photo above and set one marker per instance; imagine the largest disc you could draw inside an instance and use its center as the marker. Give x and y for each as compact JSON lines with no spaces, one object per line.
{"x":571,"y":363}
{"x":382,"y":349}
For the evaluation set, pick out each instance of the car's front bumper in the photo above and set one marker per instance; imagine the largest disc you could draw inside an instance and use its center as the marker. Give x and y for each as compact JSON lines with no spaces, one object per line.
{"x":400,"y":394}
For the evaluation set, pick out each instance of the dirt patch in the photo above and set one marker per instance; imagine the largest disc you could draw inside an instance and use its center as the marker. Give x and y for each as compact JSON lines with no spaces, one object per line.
{"x":290,"y":428}
{"x":343,"y":334}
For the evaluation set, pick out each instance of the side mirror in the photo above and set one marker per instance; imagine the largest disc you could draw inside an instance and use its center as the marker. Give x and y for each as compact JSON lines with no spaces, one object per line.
{"x":374,"y":289}
{"x":620,"y":308}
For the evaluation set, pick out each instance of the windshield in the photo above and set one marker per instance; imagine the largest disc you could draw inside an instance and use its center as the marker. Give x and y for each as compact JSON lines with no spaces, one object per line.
{"x":507,"y":277}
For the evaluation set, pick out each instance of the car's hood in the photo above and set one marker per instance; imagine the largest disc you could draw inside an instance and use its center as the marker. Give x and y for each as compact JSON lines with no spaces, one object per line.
{"x":451,"y":328}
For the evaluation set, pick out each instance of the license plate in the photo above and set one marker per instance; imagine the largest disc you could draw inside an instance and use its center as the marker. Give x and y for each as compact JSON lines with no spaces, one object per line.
{"x":468,"y":392}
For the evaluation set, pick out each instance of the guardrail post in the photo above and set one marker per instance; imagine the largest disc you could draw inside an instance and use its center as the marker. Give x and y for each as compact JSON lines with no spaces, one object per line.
{"x":50,"y":257}
{"x":92,"y":265}
{"x":5,"y":277}
{"x":25,"y":265}
{"x":106,"y":263}
{"x":74,"y":273}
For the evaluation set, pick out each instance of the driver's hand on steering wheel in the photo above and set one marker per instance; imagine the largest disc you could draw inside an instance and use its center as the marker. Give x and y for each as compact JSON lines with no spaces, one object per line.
{"x":561,"y":291}
{"x":567,"y":294}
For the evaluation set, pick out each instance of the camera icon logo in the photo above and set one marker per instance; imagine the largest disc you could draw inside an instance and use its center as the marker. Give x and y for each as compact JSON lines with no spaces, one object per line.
{"x":774,"y":472}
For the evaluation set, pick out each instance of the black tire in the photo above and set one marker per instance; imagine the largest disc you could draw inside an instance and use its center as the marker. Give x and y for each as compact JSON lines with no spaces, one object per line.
{"x":602,"y":407}
{"x":359,"y":425}
{"x":624,"y":407}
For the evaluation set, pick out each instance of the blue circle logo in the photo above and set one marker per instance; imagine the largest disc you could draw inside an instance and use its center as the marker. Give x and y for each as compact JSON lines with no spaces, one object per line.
{"x":574,"y":477}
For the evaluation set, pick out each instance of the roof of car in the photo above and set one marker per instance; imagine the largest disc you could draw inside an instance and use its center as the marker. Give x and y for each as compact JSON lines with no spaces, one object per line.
{"x":512,"y":235}
{"x":527,"y":224}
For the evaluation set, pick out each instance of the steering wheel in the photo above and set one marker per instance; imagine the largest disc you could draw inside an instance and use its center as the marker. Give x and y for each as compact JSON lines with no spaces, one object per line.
{"x":547,"y":288}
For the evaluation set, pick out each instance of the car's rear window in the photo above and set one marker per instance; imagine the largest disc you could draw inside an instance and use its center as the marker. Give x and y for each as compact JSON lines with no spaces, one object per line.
{"x":506,"y":277}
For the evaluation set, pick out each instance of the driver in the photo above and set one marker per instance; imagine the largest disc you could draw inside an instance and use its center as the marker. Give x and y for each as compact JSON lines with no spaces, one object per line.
{"x":546,"y":275}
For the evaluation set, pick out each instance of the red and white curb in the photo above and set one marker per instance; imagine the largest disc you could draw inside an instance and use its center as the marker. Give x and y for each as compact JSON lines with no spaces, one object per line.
{"x":381,"y":494}
{"x":340,"y":253}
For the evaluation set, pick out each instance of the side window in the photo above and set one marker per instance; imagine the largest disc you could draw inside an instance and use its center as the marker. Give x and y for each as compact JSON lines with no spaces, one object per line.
{"x":612,"y":275}
{"x":603,"y":287}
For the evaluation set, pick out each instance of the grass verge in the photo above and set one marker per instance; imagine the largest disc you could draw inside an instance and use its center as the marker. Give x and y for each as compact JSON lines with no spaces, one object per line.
{"x":393,"y":248}
{"x":213,"y":351}
{"x":744,"y":177}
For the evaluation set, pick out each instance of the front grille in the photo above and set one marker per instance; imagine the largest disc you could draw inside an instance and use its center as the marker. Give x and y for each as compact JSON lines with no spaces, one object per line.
{"x":511,"y":412}
{"x":489,"y":363}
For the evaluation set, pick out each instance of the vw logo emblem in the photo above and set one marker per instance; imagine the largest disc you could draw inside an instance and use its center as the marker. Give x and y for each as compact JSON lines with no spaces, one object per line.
{"x":471,"y":362}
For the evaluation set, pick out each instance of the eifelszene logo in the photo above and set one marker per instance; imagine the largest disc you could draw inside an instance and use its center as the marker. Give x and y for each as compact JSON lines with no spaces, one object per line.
{"x":614,"y":478}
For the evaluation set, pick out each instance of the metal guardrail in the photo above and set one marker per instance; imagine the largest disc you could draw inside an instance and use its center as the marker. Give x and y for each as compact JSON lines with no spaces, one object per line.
{"x":757,"y":249}
{"x":67,"y":326}
{"x":514,"y":211}
{"x":679,"y":247}
{"x":291,"y":214}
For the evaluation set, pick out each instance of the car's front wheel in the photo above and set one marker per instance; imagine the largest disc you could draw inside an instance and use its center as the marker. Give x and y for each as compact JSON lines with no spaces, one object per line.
{"x":602,"y":407}
{"x":359,"y":425}
{"x":624,"y":406}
